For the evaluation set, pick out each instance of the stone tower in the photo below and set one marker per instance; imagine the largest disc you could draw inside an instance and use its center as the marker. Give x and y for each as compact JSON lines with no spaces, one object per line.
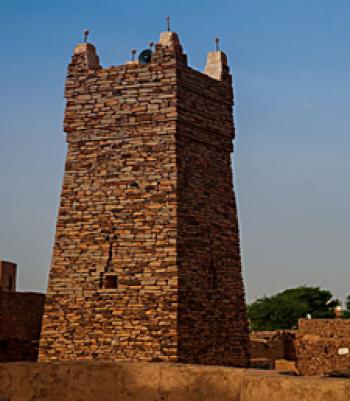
{"x":146,"y":262}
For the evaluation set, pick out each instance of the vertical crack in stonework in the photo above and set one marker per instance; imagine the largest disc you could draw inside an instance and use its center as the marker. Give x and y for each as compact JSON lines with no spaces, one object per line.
{"x":212,"y":277}
{"x":109,"y":278}
{"x":109,"y":264}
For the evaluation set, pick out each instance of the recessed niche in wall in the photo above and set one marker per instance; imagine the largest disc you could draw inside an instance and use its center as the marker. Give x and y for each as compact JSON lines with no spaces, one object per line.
{"x":110,"y":281}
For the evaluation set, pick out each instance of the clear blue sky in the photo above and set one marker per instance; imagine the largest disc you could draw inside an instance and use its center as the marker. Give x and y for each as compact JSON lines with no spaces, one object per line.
{"x":291,"y":65}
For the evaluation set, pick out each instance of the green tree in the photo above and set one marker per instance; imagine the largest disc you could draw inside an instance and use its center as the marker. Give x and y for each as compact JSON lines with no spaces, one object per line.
{"x":346,"y":313}
{"x":282,"y":310}
{"x":347,"y":304}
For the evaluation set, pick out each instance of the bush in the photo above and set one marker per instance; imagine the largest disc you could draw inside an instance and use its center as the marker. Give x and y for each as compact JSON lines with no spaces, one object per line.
{"x":282,"y":311}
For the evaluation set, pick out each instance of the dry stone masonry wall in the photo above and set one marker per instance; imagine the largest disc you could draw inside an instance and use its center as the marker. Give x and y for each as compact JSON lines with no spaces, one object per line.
{"x":146,"y":261}
{"x":323,"y":345}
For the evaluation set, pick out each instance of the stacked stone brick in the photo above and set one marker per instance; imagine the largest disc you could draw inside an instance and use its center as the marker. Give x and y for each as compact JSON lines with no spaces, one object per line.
{"x":146,"y":262}
{"x":323,"y":345}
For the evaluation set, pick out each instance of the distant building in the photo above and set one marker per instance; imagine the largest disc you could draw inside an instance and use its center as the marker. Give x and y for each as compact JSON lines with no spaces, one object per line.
{"x":7,"y":276}
{"x":20,"y":318}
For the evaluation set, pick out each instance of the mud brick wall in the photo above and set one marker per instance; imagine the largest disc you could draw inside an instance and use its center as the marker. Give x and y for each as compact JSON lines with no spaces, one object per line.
{"x":20,"y":325}
{"x":272,"y":345}
{"x":319,"y":344}
{"x":146,"y":262}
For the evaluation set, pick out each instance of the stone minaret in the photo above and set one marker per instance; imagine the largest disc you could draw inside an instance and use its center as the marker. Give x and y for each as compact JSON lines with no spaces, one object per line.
{"x":146,"y":262}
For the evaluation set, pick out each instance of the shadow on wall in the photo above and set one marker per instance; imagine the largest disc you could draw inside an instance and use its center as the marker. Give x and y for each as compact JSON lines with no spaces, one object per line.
{"x":20,"y":325}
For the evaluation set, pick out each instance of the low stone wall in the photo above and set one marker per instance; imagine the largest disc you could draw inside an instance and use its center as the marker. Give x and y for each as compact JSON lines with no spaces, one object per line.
{"x":270,"y":346}
{"x":109,"y":381}
{"x":323,"y":345}
{"x":20,"y":325}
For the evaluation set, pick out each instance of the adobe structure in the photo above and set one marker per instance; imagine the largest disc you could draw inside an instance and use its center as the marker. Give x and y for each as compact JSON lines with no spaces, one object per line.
{"x":267,"y":347}
{"x":146,"y":263}
{"x":20,"y":318}
{"x":8,"y":272}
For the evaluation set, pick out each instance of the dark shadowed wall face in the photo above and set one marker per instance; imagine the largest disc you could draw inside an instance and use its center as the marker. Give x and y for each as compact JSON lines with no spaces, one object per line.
{"x":20,"y":325}
{"x":212,"y":320}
